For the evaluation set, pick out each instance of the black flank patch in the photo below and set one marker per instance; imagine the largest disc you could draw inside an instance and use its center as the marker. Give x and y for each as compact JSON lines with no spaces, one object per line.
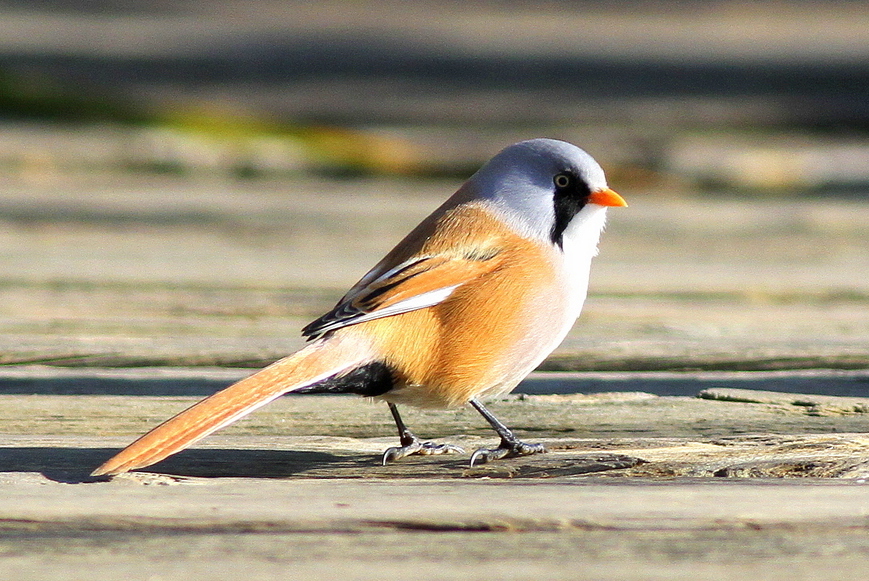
{"x":368,"y":380}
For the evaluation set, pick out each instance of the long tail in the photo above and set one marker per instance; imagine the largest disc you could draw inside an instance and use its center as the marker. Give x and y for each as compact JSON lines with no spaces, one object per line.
{"x":318,"y":361}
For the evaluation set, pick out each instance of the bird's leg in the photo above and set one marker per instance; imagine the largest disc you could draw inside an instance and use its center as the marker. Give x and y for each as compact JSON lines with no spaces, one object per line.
{"x":510,"y":444}
{"x":410,"y":444}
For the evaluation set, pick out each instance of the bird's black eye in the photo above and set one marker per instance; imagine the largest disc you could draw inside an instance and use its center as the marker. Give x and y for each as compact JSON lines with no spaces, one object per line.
{"x":562,"y":180}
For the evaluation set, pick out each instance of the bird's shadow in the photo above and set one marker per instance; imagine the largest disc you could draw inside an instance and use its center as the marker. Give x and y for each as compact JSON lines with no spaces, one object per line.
{"x":74,"y":465}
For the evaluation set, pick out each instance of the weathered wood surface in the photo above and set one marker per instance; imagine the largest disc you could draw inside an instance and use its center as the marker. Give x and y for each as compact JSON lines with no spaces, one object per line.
{"x":169,"y":272}
{"x":635,"y":486}
{"x":279,"y":529}
{"x":726,"y":432}
{"x":644,"y":480}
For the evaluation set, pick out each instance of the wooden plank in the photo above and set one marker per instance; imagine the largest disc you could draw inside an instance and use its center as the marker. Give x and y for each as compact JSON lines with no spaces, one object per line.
{"x":179,"y":273}
{"x":223,"y":528}
{"x":621,"y":434}
{"x":814,"y":403}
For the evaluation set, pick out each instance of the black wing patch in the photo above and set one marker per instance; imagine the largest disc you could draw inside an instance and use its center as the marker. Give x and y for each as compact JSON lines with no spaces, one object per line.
{"x":357,"y":305}
{"x":419,"y":283}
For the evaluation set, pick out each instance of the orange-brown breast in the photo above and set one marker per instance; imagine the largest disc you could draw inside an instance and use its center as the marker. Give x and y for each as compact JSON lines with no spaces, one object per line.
{"x":486,"y":332}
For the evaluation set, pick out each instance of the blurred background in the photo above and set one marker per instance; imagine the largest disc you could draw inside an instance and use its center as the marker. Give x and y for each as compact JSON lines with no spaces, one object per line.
{"x":718,"y":95}
{"x":188,"y":182}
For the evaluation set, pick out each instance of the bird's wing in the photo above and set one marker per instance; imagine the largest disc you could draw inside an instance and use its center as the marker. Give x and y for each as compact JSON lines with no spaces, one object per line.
{"x":416,"y":283}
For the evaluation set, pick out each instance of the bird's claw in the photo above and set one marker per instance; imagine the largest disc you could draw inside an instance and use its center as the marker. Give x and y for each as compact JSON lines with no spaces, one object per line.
{"x":421,"y":448}
{"x":506,"y":450}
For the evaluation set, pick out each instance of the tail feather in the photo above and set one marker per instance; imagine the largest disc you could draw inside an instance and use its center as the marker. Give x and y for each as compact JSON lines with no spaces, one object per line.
{"x":316,"y":362}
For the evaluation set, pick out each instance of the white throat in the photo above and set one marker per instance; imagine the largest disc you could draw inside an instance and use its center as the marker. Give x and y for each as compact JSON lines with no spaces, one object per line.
{"x":579,"y":246}
{"x":582,"y":235}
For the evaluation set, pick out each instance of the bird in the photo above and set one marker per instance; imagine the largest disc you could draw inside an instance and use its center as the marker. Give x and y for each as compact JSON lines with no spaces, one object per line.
{"x":468,"y":304}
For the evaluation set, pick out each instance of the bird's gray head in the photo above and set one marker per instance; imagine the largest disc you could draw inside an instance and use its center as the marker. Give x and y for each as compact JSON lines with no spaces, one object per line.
{"x":540,"y":185}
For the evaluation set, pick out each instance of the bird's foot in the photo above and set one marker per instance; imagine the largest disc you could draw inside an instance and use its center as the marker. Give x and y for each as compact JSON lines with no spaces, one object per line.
{"x":417,"y":446}
{"x":507,"y":449}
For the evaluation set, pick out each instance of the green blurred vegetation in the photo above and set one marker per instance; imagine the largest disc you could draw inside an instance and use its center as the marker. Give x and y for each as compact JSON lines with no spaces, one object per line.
{"x":239,"y":135}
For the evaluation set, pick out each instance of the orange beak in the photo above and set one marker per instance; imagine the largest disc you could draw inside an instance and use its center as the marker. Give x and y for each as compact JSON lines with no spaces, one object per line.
{"x":607,"y":197}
